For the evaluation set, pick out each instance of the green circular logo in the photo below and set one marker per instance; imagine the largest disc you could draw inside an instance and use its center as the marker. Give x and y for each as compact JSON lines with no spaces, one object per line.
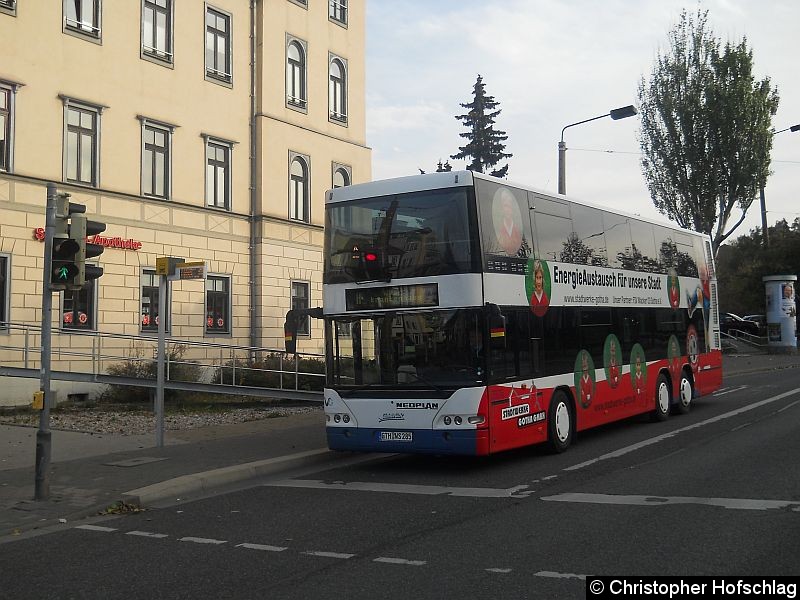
{"x":584,"y":378}
{"x":537,"y":285}
{"x":612,"y":358}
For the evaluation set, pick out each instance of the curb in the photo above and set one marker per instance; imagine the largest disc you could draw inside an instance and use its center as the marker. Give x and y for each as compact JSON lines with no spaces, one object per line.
{"x":208,"y":480}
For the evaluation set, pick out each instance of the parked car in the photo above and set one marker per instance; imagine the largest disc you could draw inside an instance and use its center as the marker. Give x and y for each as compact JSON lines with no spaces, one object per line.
{"x":730,"y":323}
{"x":761,"y":320}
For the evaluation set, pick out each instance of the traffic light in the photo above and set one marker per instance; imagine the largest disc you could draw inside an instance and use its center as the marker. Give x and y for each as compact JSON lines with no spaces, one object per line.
{"x":70,"y":248}
{"x":64,"y":268}
{"x":80,"y":227}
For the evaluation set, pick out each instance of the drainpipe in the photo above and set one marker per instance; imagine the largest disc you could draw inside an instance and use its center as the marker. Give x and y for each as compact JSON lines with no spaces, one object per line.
{"x":255,"y":295}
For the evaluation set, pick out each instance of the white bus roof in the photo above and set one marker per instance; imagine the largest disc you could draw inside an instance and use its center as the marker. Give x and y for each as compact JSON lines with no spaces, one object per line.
{"x":433,"y":181}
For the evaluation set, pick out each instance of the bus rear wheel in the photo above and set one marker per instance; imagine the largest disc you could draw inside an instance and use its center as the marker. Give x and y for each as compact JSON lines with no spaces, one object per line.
{"x":663,"y":394}
{"x":685,"y":394}
{"x":559,"y":423}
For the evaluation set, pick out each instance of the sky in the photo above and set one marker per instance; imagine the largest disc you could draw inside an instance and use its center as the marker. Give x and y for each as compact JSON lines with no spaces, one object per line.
{"x":551,"y":63}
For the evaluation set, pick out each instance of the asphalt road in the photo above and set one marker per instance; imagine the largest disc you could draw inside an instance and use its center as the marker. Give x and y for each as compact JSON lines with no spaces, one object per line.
{"x":715,"y":492}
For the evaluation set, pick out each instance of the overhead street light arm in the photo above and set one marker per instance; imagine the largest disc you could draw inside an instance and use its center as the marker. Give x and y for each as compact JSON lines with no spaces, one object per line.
{"x":764,"y":229}
{"x":615,"y":114}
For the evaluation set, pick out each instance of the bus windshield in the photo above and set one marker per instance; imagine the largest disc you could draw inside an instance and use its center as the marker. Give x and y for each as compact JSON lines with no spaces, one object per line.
{"x":418,"y":234}
{"x":437,"y":350}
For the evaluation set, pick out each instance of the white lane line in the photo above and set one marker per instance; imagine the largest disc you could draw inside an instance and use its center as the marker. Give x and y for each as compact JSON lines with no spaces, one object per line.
{"x":788,"y":406}
{"x":728,"y":391}
{"x":738,"y":427}
{"x":262,"y":547}
{"x":147,"y":534}
{"x":555,"y":575}
{"x":518,"y":491}
{"x":497,"y":570}
{"x":655,"y":440}
{"x":733,"y":503}
{"x":329,"y":554}
{"x":198,"y":540}
{"x":95,"y":528}
{"x":399,"y":561}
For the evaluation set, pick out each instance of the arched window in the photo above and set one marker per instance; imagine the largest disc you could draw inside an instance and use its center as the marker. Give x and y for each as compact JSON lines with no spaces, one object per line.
{"x":296,"y":75}
{"x":298,"y":190}
{"x":341,"y":177}
{"x":337,"y":93}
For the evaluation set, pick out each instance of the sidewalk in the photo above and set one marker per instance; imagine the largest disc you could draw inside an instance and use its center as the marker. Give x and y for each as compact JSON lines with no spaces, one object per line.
{"x":91,"y":472}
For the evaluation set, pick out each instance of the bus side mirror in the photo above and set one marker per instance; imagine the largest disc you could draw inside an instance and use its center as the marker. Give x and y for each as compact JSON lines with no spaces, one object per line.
{"x":290,"y":332}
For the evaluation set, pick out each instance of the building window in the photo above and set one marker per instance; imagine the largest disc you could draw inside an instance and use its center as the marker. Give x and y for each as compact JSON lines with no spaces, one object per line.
{"x":337,"y":11}
{"x":218,"y":174}
{"x":8,"y":7}
{"x":337,"y":92}
{"x":157,"y":29}
{"x":341,"y":176}
{"x":149,"y":312}
{"x":298,"y":189}
{"x":6,"y":129}
{"x":78,"y":308}
{"x":218,"y":45}
{"x":5,"y":291}
{"x":83,"y":17}
{"x":303,"y":3}
{"x":156,"y":160}
{"x":81,"y":144}
{"x":296,"y":74}
{"x":300,"y":298}
{"x":218,"y":305}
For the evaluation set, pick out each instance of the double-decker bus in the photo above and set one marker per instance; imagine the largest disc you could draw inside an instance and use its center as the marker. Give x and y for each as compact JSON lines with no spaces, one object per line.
{"x":468,"y":315}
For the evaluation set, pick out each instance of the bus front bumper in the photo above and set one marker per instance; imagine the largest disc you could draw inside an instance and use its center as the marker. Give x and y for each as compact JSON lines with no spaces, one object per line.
{"x":423,"y":441}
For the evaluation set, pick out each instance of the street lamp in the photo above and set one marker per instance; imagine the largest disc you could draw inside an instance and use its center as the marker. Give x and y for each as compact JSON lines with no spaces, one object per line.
{"x":617,"y":113}
{"x":793,"y":128}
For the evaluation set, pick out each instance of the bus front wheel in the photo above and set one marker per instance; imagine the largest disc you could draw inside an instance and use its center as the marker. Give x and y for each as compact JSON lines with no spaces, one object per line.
{"x":663,"y":394}
{"x":559,"y":422}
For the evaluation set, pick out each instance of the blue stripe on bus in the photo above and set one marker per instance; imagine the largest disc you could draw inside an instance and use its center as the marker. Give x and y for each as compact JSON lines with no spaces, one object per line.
{"x":424,"y":441}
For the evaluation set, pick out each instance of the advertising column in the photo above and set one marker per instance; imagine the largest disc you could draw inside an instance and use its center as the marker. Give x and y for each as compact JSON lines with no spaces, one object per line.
{"x":781,"y":313}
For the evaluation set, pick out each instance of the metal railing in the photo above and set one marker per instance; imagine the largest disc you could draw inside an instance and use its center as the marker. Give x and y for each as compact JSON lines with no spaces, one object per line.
{"x":122,"y":359}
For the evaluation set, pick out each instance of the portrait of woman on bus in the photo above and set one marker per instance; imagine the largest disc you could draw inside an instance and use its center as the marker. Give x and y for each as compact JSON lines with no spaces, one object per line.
{"x":612,"y":361}
{"x":507,"y":221}
{"x":539,"y":299}
{"x":674,"y":289}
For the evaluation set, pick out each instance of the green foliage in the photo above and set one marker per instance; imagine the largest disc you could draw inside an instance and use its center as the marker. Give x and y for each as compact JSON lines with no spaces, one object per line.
{"x":485,"y":146}
{"x":136,"y":366}
{"x":266,"y":372}
{"x":706,"y":130}
{"x":742,"y":263}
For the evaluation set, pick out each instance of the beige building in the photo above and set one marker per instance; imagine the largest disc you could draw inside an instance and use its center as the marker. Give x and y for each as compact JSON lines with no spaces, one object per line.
{"x":203,"y":130}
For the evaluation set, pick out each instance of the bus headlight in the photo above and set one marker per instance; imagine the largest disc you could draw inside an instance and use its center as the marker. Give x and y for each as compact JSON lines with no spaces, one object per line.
{"x":447,"y":420}
{"x":346,"y":418}
{"x":337,"y":417}
{"x":457,"y":420}
{"x":476,"y":420}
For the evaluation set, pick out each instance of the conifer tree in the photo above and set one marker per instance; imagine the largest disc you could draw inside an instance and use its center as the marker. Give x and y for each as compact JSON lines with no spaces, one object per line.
{"x":485,"y":145}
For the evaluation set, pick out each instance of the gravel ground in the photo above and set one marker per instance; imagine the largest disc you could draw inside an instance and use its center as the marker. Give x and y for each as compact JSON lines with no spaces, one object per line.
{"x":130,"y":422}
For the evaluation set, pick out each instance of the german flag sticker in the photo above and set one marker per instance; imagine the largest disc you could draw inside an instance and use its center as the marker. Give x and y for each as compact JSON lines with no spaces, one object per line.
{"x":498,"y":332}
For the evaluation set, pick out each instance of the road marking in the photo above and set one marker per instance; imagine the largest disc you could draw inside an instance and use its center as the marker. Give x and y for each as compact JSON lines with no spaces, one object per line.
{"x":198,"y":540}
{"x":655,"y":440}
{"x":728,"y":391}
{"x":262,"y":547}
{"x":498,"y":570}
{"x":147,"y":534}
{"x":95,"y":528}
{"x":399,"y":561}
{"x":556,"y":575}
{"x":518,"y":491}
{"x":733,"y":503}
{"x":329,"y":554}
{"x":788,"y":406}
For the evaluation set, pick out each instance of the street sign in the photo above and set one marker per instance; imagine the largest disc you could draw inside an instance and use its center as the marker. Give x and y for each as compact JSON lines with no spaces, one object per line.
{"x":191,"y":270}
{"x":162,"y":266}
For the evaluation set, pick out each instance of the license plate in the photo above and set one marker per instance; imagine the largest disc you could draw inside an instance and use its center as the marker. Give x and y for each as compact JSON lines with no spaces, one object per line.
{"x":397,"y":436}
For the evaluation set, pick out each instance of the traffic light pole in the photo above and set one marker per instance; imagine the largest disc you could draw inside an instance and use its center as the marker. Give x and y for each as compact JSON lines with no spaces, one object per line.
{"x":162,"y":327}
{"x":43,"y":436}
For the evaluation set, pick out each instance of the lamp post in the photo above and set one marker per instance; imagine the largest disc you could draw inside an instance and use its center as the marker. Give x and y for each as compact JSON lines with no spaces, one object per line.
{"x":793,"y":128}
{"x":615,"y":114}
